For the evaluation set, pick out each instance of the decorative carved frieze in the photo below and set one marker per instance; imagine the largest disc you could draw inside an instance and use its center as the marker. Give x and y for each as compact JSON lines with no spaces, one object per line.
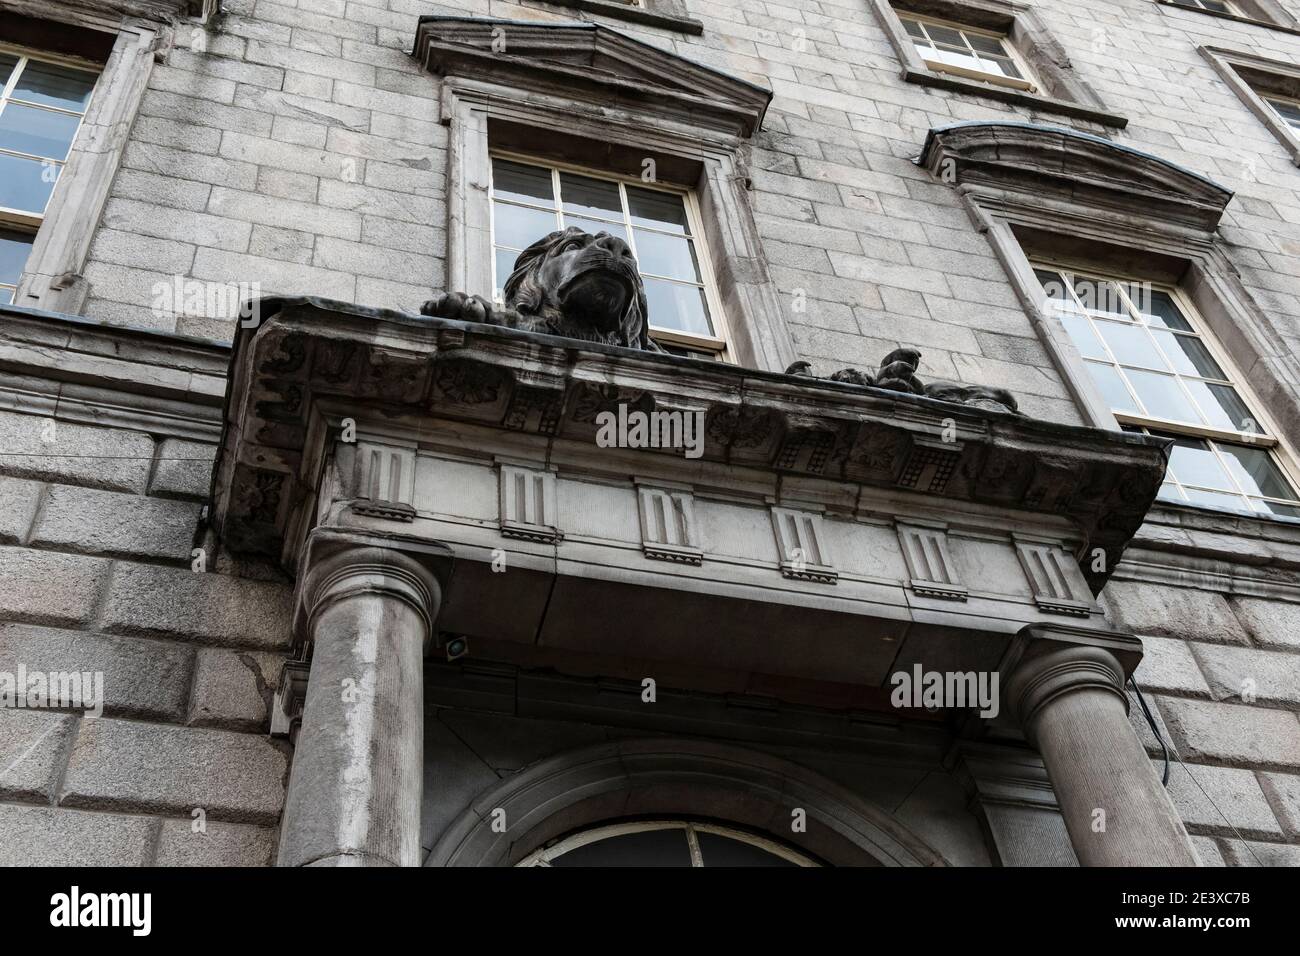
{"x":668,"y":528}
{"x":801,"y":544}
{"x":1058,"y":586}
{"x":929,"y":564}
{"x":528,"y":504}
{"x":384,"y":478}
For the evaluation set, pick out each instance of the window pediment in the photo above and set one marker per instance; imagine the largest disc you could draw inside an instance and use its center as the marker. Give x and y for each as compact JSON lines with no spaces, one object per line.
{"x":591,"y":63}
{"x":1048,"y":162}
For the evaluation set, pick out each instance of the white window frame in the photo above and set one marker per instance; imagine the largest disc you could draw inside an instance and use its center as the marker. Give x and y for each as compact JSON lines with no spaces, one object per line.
{"x":1030,"y":84}
{"x":716,"y":344}
{"x":1268,"y":437}
{"x":544,"y":855}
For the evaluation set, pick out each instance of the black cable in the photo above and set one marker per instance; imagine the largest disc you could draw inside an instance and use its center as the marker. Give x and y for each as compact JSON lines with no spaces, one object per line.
{"x":1164,"y":780}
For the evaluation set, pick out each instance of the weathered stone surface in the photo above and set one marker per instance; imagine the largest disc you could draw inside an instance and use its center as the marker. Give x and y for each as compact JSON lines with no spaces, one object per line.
{"x":31,"y":745}
{"x":47,"y":450}
{"x":1233,"y":734}
{"x":1250,"y":853}
{"x":209,"y":608}
{"x":1138,"y":721}
{"x":1225,"y":799}
{"x":1158,"y":611}
{"x":219,"y":844}
{"x":142,"y":678}
{"x":48,"y":836}
{"x":44,"y":587}
{"x":1270,"y":623}
{"x":102,"y":522}
{"x":1246,"y":675}
{"x":1283,"y":791}
{"x":1207,"y":851}
{"x":151,"y":768}
{"x":1168,"y":665}
{"x":18,"y":500}
{"x":233,"y":689}
{"x":184,"y":469}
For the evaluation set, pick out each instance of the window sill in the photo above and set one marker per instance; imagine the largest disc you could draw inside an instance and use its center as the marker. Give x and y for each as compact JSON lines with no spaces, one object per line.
{"x":1008,"y":94}
{"x":1252,"y":21}
{"x":623,"y":11}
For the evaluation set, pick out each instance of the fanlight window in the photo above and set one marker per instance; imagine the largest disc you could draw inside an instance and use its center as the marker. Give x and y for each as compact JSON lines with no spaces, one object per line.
{"x":659,"y":843}
{"x":661,"y":225}
{"x":1161,"y":374}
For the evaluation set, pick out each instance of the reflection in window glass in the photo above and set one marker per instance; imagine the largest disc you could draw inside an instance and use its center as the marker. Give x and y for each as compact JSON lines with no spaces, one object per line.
{"x":1153,"y":368}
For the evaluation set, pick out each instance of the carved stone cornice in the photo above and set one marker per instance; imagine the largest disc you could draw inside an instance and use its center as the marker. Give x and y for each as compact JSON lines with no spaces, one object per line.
{"x":590,"y":63}
{"x":1040,"y":162}
{"x":100,"y":11}
{"x":312,"y":363}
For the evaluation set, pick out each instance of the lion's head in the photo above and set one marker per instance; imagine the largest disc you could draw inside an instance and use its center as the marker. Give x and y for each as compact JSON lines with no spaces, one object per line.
{"x":583,"y":287}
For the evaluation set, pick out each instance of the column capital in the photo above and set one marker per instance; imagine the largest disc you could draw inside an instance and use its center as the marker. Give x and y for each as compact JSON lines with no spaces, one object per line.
{"x":338,"y":563}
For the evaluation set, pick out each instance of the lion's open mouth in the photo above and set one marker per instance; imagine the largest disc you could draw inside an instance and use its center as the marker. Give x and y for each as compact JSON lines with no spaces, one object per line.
{"x":600,"y":294}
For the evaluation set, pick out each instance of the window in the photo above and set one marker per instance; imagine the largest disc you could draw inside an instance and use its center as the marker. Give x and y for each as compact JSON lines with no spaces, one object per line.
{"x":1269,"y":88}
{"x":670,"y":843}
{"x":1158,"y":371}
{"x":1214,"y":6}
{"x":661,"y":225}
{"x":1269,"y":13}
{"x":967,"y":51}
{"x":1287,"y":110}
{"x":42,"y":103}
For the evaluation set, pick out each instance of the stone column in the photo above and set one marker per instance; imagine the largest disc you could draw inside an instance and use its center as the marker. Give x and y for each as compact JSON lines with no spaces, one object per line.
{"x":1070,"y":700}
{"x":367,"y":608}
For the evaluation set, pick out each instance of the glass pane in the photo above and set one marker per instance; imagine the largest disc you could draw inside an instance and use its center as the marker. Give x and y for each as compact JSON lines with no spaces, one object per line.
{"x":913,"y":28}
{"x":1218,"y":6}
{"x":1053,"y":286}
{"x":14,"y":248}
{"x":676,"y":306}
{"x":1193,"y":462}
{"x":1216,"y":499}
{"x":717,"y":850}
{"x":1273,"y":508}
{"x":26,"y":129}
{"x":1256,"y":471}
{"x":1189,"y":355}
{"x":1162,"y":396}
{"x":1169,"y":492}
{"x":658,"y":210}
{"x":7,"y":64}
{"x":1085,"y":339}
{"x":648,"y":848}
{"x":590,"y":197}
{"x":1101,"y":297}
{"x":1222,"y":407}
{"x":1158,"y":308}
{"x":6,"y":296}
{"x":505,"y":264}
{"x":983,"y":44}
{"x":52,"y":85}
{"x":1003,"y":65}
{"x":956,"y":56}
{"x":924,"y":49}
{"x":519,"y":226}
{"x":1131,"y":345}
{"x":1288,"y":110}
{"x":531,"y":184}
{"x":669,"y":256}
{"x":26,"y":184}
{"x":1112,"y":388}
{"x":596,"y":227}
{"x":945,"y":35}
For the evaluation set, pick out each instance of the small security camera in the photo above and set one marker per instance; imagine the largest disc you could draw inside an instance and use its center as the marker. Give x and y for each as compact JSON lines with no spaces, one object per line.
{"x":456,"y":647}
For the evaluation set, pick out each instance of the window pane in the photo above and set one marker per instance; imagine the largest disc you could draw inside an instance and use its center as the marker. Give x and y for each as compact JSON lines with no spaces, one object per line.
{"x":669,"y":256}
{"x":531,"y":184}
{"x":595,"y":226}
{"x":1158,"y":309}
{"x":6,"y":296}
{"x":590,"y":197}
{"x":1273,"y":508}
{"x":1193,"y":462}
{"x":52,"y":85}
{"x":945,"y":35}
{"x":666,"y":847}
{"x":1222,"y":407}
{"x":505,"y":264}
{"x":1001,"y":64}
{"x":1169,"y":492}
{"x":983,"y":44}
{"x":1112,"y":388}
{"x":1189,"y":355}
{"x":676,"y":306}
{"x":658,"y":210}
{"x":913,"y":28}
{"x":7,"y":64}
{"x":520,"y":227}
{"x":1162,"y":396}
{"x":1215,"y":499}
{"x":956,"y":56}
{"x":26,"y":184}
{"x":1101,"y":298}
{"x":14,"y":247}
{"x":717,"y":850}
{"x":1083,"y":336}
{"x":1288,"y":110}
{"x":1256,"y":471}
{"x":1131,"y":345}
{"x":1054,"y":287}
{"x":26,"y":129}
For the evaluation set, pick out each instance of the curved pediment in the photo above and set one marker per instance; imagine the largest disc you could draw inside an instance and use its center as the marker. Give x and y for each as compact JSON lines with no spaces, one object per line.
{"x":1051,"y":162}
{"x":590,"y":63}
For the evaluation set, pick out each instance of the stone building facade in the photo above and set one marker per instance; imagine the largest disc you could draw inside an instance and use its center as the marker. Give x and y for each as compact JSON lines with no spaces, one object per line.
{"x":361,"y":584}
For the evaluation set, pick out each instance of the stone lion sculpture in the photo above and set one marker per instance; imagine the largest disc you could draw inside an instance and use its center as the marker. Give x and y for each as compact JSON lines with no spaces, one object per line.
{"x":568,"y":283}
{"x":897,"y":373}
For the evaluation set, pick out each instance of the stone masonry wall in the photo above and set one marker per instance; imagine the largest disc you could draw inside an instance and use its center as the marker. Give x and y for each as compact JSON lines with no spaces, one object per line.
{"x":298,"y":146}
